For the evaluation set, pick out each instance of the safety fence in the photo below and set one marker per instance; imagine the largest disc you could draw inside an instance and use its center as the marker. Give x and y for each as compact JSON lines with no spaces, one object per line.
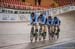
{"x":23,"y":15}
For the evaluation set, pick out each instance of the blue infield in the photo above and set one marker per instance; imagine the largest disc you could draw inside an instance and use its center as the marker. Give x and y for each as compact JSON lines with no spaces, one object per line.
{"x":70,"y":45}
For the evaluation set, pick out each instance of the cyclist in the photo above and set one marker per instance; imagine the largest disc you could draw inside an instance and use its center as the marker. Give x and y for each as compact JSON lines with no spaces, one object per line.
{"x":56,"y":23}
{"x":42,"y":30}
{"x":34,"y":29}
{"x":49,"y":25}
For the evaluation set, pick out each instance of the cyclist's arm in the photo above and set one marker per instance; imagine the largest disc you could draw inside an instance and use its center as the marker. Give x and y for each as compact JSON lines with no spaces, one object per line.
{"x":30,"y":20}
{"x":59,"y":22}
{"x":44,"y":19}
{"x":36,"y":19}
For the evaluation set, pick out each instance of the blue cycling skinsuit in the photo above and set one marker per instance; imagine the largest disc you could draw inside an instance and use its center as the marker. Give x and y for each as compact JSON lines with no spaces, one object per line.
{"x":42,"y":19}
{"x":42,"y":22}
{"x":49,"y":21}
{"x":56,"y":22}
{"x":49,"y":26}
{"x":33,"y":20}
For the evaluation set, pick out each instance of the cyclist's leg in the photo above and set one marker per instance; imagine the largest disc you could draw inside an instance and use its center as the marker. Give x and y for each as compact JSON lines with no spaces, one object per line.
{"x":58,"y":30}
{"x":36,"y":28}
{"x":36,"y":35}
{"x":49,"y":31}
{"x":52,"y":31}
{"x":44,"y":32}
{"x":40,"y":30}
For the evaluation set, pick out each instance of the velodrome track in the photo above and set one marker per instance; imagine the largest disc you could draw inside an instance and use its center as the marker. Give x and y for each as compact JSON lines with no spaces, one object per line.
{"x":16,"y":35}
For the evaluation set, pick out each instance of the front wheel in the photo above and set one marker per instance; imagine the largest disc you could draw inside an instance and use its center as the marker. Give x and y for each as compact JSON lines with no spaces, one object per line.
{"x":31,"y":34}
{"x":31,"y":37}
{"x":35,"y":37}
